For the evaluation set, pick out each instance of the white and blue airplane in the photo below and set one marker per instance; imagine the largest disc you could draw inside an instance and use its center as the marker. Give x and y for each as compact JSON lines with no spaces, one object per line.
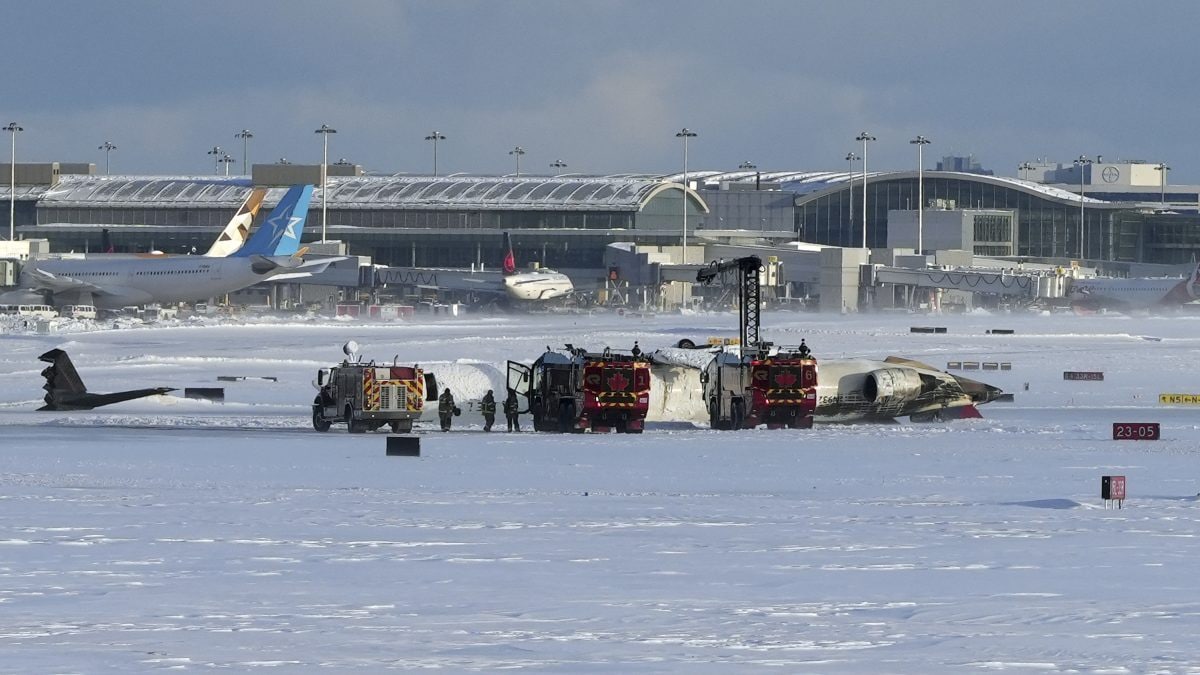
{"x":271,"y":253}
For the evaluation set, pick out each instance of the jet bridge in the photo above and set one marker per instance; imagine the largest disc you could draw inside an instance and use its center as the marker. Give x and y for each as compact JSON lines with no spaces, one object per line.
{"x":1023,"y":284}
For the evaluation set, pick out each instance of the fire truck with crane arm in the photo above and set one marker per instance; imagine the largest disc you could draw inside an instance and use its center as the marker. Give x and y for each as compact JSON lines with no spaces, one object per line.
{"x":758,"y":382}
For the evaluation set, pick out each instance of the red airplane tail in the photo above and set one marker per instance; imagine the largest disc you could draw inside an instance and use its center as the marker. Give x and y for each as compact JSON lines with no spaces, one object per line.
{"x":510,"y":262}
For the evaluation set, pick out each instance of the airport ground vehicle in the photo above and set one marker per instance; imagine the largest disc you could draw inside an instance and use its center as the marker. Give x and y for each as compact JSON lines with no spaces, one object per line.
{"x":755,"y":382}
{"x":366,"y":395}
{"x":78,"y":311}
{"x":573,"y":390}
{"x":39,"y":311}
{"x":767,"y":385}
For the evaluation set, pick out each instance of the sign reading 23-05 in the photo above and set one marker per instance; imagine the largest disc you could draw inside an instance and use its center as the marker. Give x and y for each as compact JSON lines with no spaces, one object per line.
{"x":1136,"y":431}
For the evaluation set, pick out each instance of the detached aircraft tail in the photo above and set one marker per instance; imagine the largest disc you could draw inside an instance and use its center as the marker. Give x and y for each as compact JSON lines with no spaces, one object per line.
{"x":65,"y":389}
{"x":279,"y":235}
{"x":236,"y":232}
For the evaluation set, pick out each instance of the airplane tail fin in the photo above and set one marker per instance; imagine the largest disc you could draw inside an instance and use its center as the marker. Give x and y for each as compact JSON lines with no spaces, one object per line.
{"x":235,"y":233}
{"x":510,"y":262}
{"x":280,"y":232}
{"x":61,"y":377}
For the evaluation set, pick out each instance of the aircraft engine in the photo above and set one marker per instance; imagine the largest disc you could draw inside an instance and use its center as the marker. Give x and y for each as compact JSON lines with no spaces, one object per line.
{"x":892,"y":385}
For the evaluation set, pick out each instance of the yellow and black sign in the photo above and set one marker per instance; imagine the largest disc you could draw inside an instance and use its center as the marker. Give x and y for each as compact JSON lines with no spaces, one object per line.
{"x":1179,"y":399}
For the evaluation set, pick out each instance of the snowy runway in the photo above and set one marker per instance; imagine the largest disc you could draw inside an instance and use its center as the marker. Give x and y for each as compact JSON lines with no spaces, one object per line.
{"x":235,"y":537}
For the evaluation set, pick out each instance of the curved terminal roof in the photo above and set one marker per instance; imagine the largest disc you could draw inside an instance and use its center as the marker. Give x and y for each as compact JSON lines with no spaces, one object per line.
{"x":567,"y":192}
{"x":145,"y":191}
{"x":812,"y":182}
{"x":552,"y":193}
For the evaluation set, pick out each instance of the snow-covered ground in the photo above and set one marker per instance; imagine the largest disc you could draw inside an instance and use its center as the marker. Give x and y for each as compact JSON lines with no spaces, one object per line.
{"x":167,"y":533}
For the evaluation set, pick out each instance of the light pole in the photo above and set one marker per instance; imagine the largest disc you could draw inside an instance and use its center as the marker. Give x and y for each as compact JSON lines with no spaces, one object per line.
{"x":685,"y":134}
{"x":216,"y":152}
{"x":245,"y":135}
{"x":748,"y":165}
{"x":864,"y":137}
{"x":1026,"y":167}
{"x":517,"y":152}
{"x":435,"y":136}
{"x":14,"y":129}
{"x":226,"y":160}
{"x":107,"y":148}
{"x":1162,"y":182}
{"x":1082,"y":163}
{"x":851,"y":158}
{"x":325,"y":130}
{"x":920,"y":142}
{"x":558,"y":164}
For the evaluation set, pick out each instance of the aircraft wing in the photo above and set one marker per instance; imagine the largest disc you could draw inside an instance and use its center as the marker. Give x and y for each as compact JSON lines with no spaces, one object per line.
{"x":45,"y":281}
{"x":291,"y":267}
{"x":443,"y":279}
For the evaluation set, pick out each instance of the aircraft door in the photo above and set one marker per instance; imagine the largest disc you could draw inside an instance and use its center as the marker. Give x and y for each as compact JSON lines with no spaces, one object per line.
{"x":518,"y":380}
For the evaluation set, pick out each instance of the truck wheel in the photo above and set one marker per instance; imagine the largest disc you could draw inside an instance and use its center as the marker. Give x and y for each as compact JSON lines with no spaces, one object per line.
{"x":401,"y":427}
{"x":319,"y":421}
{"x":352,"y":425}
{"x":685,"y":344}
{"x":804,"y":422}
{"x":566,"y":416}
{"x":737,"y":416}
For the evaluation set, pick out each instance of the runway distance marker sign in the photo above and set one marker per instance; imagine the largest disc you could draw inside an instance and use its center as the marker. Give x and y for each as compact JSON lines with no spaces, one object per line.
{"x":1136,"y":431}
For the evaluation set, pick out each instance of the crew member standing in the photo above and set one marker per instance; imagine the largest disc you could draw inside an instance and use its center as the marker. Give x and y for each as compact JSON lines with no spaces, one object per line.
{"x":488,"y":407}
{"x":511,"y":406}
{"x":803,"y":349}
{"x":446,"y":409}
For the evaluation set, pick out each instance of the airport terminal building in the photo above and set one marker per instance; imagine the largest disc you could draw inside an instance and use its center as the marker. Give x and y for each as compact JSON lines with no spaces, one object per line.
{"x":567,"y":221}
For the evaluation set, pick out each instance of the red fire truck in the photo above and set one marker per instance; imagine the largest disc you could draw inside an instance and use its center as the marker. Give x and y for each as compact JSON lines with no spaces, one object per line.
{"x":776,"y":387}
{"x":573,"y":390}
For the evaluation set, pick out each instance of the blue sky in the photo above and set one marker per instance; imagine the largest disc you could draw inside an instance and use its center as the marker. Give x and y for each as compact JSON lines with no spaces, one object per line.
{"x":603,"y":86}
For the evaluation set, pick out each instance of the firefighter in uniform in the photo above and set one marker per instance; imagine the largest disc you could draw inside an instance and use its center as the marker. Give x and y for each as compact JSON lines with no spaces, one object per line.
{"x":488,"y":407}
{"x":446,"y":409}
{"x":511,"y":406}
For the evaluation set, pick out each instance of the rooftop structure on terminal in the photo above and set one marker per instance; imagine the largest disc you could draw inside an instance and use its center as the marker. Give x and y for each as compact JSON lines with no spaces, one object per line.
{"x":451,"y":220}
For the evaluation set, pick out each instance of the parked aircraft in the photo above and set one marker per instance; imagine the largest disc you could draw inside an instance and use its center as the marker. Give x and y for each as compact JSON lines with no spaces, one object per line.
{"x":1134,"y":294}
{"x":65,"y":389}
{"x":121,"y":282}
{"x":848,"y":390}
{"x":534,"y":286}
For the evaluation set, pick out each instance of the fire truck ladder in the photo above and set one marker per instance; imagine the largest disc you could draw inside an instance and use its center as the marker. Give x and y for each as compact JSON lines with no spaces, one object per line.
{"x":749,"y":300}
